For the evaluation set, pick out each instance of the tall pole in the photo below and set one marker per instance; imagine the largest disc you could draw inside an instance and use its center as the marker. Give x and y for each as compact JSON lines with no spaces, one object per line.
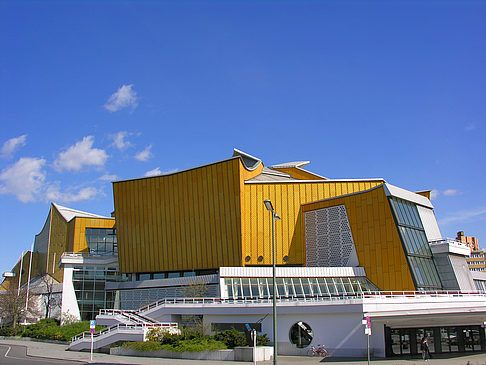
{"x":28,"y":282}
{"x":274,"y":294}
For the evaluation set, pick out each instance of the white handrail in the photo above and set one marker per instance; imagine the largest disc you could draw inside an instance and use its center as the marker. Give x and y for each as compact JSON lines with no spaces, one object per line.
{"x":304,"y":298}
{"x":122,"y":326}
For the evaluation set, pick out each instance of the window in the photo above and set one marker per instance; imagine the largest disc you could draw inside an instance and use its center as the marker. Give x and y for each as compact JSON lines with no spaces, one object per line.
{"x":301,"y":335}
{"x":416,"y":245}
{"x":101,"y":241}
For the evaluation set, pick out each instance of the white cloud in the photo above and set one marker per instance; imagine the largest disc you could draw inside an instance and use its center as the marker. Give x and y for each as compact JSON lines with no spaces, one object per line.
{"x":119,"y":140}
{"x":171,"y":171}
{"x":80,"y":155}
{"x":53,"y":193}
{"x":10,"y":146}
{"x":450,"y":192}
{"x":24,"y":179}
{"x":108,"y":177}
{"x":122,"y":98}
{"x":144,"y":155}
{"x":153,"y":172}
{"x":465,"y":215}
{"x":434,"y":194}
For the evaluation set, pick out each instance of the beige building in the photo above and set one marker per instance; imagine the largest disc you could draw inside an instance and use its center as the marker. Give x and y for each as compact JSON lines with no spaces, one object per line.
{"x":477,"y":259}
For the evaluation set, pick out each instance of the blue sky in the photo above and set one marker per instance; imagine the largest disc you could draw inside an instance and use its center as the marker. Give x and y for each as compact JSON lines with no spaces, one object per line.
{"x":98,"y":90}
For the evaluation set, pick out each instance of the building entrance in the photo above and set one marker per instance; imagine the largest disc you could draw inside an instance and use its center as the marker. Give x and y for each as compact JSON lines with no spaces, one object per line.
{"x":406,"y":341}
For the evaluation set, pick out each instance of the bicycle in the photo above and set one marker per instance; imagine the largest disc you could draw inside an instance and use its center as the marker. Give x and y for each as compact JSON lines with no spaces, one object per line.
{"x":320,"y":350}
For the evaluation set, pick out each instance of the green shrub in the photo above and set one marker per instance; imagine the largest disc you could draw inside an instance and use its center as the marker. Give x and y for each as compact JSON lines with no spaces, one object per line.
{"x":181,"y":345}
{"x":263,"y":340}
{"x":231,"y":338}
{"x":48,"y":329}
{"x":10,"y":331}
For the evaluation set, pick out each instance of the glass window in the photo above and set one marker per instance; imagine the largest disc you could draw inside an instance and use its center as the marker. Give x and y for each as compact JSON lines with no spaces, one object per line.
{"x":339,"y":285}
{"x":314,"y":286}
{"x":298,"y":286}
{"x":300,"y":334}
{"x":101,"y":241}
{"x":263,"y":287}
{"x":245,"y":283}
{"x":281,"y":290}
{"x":254,"y":287}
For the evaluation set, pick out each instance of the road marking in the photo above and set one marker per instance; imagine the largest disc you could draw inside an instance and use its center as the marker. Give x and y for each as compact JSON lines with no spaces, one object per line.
{"x":7,"y":351}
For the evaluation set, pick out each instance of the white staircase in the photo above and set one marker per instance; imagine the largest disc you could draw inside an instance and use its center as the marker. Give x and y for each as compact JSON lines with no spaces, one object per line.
{"x":123,"y":326}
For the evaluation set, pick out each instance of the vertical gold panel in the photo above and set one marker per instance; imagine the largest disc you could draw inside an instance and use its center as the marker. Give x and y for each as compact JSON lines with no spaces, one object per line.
{"x":376,"y":238}
{"x":190,"y":220}
{"x":287,"y":198}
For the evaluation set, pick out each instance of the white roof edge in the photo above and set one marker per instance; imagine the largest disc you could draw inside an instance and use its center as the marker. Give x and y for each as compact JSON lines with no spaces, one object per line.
{"x":313,"y":181}
{"x":290,"y":164}
{"x":392,"y":190}
{"x":245,"y":157}
{"x":69,"y":213}
{"x":292,"y":271}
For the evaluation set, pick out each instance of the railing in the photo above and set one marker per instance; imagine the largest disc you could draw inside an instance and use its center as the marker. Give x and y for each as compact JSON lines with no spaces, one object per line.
{"x":129,"y":314}
{"x":87,"y":254}
{"x":309,"y":298}
{"x":122,"y":327}
{"x":450,"y":241}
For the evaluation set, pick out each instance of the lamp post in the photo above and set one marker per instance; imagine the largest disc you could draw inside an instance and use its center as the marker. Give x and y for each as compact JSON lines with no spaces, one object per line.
{"x":268,"y":205}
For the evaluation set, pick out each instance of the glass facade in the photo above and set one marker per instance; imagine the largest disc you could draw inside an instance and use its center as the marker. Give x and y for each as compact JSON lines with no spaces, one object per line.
{"x":89,"y":286}
{"x":406,"y":341}
{"x":101,"y":241}
{"x":415,"y":243}
{"x":296,"y":287}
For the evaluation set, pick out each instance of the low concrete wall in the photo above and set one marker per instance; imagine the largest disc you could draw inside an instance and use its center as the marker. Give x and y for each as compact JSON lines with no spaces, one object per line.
{"x":222,"y":355}
{"x":262,"y":353}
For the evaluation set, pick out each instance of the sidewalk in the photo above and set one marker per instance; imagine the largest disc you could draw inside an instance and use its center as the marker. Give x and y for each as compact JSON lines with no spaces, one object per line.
{"x":56,"y":351}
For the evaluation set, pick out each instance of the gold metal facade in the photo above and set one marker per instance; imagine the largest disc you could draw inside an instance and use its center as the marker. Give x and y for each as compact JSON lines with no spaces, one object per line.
{"x":77,"y":231}
{"x":286,"y":198}
{"x":183,"y":221}
{"x":375,"y":236}
{"x":58,"y":243}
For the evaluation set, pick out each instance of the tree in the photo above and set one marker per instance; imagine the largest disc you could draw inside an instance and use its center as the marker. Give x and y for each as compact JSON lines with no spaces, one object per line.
{"x":197,"y":289}
{"x":12,"y":305}
{"x":50,"y":296}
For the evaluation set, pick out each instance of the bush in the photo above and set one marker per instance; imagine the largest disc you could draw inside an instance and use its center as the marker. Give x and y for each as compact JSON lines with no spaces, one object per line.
{"x":263,"y":340}
{"x":181,"y":345}
{"x":48,"y":329}
{"x":231,"y":338}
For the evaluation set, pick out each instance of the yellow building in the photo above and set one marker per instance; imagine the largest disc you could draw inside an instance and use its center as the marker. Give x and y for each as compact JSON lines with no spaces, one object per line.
{"x":213,"y":216}
{"x":66,"y":231}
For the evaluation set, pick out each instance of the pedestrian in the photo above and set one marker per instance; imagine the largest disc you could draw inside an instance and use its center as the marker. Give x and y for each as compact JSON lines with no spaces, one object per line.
{"x":424,"y":346}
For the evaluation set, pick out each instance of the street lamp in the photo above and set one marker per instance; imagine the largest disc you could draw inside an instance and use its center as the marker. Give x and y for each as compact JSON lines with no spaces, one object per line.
{"x":269,"y":206}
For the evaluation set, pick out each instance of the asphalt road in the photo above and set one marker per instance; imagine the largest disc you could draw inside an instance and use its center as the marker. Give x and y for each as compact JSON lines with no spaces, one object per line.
{"x":17,"y":355}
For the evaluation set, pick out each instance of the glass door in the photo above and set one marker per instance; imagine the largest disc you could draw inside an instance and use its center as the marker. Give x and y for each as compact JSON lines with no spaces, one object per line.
{"x":405,"y":341}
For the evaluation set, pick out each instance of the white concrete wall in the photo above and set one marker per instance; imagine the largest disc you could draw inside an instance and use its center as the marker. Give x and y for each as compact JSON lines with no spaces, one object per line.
{"x":69,"y":303}
{"x":341,"y":333}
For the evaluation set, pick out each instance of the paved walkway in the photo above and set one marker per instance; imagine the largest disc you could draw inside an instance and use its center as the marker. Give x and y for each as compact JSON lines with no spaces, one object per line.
{"x":55,"y":351}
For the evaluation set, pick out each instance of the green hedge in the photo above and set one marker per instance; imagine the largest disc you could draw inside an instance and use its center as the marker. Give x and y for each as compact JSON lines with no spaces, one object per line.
{"x":181,"y":345}
{"x":190,"y":340}
{"x":48,"y":329}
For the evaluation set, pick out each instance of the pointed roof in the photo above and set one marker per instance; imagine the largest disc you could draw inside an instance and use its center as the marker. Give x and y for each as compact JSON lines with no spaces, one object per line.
{"x":68,"y":213}
{"x":250,"y":162}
